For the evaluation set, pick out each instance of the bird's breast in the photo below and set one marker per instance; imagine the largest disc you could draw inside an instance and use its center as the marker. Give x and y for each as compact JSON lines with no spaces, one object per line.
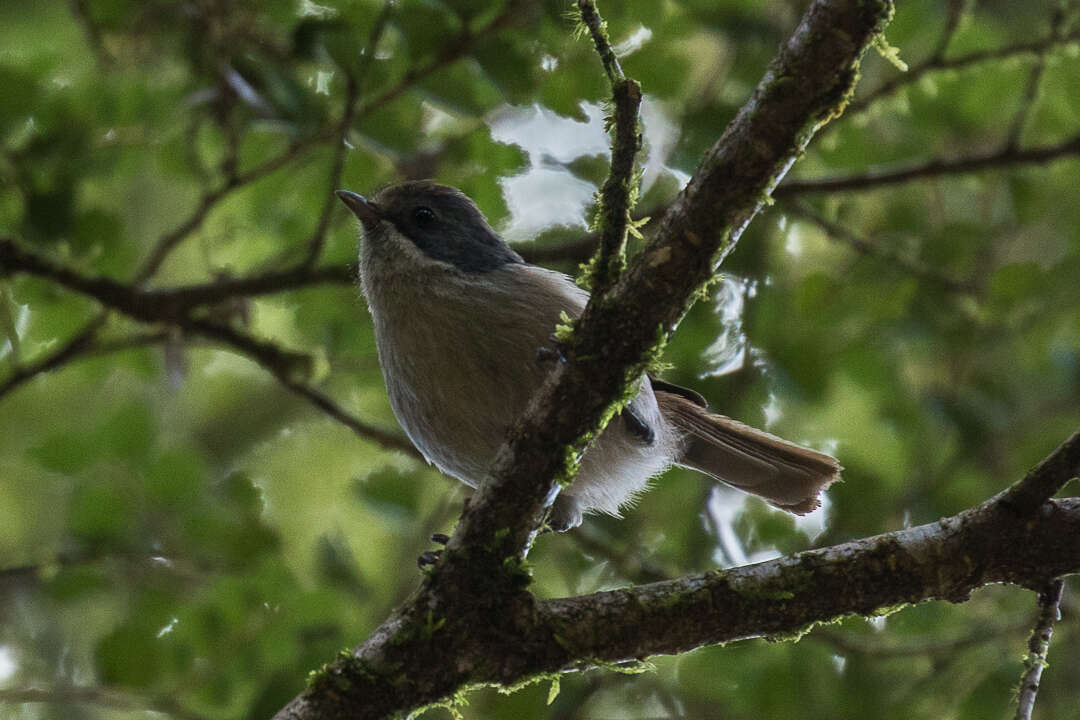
{"x":460,"y":366}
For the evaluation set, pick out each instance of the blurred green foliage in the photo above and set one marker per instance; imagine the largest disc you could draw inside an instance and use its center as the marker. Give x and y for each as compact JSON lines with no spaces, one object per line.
{"x":179,"y":533}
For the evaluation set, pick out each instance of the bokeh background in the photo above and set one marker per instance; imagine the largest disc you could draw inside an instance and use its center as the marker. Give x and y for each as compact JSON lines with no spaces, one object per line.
{"x":184,"y":533}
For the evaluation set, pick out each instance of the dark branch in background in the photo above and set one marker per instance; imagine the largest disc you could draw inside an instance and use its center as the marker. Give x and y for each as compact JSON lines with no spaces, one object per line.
{"x":168,"y":242}
{"x":866,"y":247}
{"x":81,"y":12}
{"x":186,"y":297}
{"x":513,"y":12}
{"x":73,"y":348}
{"x":459,"y":627}
{"x":337,"y":167}
{"x":936,"y":648}
{"x":956,"y":11}
{"x":937,"y":63}
{"x":938,"y":167}
{"x":574,"y":251}
{"x":165,"y":304}
{"x":289,"y":369}
{"x":353,"y":87}
{"x":1031,"y":90}
{"x":100,"y":697}
{"x":153,"y":307}
{"x":1038,"y":646}
{"x":617,"y":193}
{"x":81,"y":345}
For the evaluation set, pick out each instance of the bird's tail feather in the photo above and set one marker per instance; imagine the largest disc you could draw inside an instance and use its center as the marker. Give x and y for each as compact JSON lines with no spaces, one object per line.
{"x":786,"y":475}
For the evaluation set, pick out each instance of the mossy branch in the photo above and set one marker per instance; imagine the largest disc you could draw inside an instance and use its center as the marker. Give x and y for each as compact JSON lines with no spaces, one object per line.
{"x":483,"y":596}
{"x":1049,"y":599}
{"x":508,"y":639}
{"x":619,"y":192}
{"x":590,"y":17}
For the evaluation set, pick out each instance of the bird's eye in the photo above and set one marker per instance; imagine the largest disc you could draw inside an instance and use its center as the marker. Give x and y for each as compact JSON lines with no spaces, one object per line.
{"x":423,"y":216}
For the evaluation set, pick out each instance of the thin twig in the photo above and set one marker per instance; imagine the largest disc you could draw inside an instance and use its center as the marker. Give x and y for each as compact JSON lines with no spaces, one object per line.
{"x":168,"y":241}
{"x":337,"y":167}
{"x":867,"y":247}
{"x":1031,"y":89}
{"x":1049,"y":613}
{"x":937,"y":167}
{"x":617,"y":194}
{"x":288,"y":368}
{"x":353,"y":85}
{"x":598,"y":30}
{"x":80,"y":346}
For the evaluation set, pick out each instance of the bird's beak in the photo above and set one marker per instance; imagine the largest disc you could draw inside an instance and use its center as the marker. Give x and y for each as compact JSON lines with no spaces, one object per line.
{"x":367,"y":211}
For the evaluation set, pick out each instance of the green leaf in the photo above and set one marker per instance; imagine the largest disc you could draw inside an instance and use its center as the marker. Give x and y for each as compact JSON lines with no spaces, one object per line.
{"x":1014,"y":282}
{"x":129,"y":433}
{"x":103,"y":515}
{"x":66,"y":453}
{"x":129,"y":655}
{"x":176,"y":477}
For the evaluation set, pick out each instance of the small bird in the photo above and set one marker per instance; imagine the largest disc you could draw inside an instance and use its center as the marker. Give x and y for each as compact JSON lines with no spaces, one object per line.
{"x":460,"y":320}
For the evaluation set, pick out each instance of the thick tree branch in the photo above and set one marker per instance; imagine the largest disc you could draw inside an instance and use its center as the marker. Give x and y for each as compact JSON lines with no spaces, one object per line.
{"x":943,"y":560}
{"x":453,"y":630}
{"x":1046,"y":478}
